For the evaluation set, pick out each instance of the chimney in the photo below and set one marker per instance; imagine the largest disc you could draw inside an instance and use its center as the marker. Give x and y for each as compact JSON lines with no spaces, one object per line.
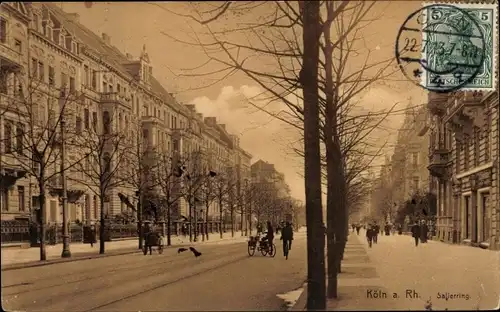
{"x":191,"y":108}
{"x":106,"y":38}
{"x":75,"y":17}
{"x":129,"y":56}
{"x":211,"y":121}
{"x":199,"y":115}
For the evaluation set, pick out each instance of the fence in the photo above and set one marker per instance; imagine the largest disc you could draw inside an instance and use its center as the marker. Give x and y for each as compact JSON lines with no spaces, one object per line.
{"x":21,"y":231}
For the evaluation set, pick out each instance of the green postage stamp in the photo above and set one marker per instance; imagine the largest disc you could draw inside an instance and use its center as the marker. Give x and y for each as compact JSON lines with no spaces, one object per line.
{"x":459,"y":46}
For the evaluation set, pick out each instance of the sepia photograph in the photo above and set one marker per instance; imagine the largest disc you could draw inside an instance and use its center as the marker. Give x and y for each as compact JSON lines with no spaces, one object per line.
{"x":335,"y":155}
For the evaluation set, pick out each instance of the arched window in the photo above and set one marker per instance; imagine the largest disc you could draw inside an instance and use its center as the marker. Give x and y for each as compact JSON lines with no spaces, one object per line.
{"x":106,"y":121}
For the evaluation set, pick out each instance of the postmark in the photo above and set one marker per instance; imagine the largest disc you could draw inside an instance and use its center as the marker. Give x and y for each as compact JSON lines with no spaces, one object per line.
{"x":444,"y":47}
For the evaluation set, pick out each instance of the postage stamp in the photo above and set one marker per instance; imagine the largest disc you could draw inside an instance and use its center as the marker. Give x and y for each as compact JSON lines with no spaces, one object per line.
{"x":447,"y":47}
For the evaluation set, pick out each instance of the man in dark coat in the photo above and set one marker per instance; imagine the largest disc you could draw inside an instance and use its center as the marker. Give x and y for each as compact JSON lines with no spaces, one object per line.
{"x":415,"y":231}
{"x":370,"y":233}
{"x":376,"y":230}
{"x":424,"y":230}
{"x":358,"y":227}
{"x":270,"y":236}
{"x":287,"y":237}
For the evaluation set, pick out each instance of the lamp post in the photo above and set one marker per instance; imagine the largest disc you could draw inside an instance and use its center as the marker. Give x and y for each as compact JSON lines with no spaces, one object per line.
{"x":66,"y":253}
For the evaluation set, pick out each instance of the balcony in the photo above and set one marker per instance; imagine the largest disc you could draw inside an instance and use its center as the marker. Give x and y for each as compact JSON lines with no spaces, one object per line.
{"x":439,"y":161}
{"x":436,"y":103}
{"x":10,"y":57}
{"x":466,"y":110}
{"x":115,"y":98}
{"x":151,"y":120}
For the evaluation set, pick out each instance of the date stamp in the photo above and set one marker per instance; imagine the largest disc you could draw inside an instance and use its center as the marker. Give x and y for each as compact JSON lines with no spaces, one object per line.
{"x":444,"y":47}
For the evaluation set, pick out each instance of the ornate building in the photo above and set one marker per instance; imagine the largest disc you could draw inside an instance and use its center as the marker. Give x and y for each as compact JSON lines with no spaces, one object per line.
{"x":46,"y":51}
{"x":463,"y":156}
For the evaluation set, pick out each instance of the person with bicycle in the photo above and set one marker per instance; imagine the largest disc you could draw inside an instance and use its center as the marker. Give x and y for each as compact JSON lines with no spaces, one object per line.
{"x":270,"y":236}
{"x":287,"y":237}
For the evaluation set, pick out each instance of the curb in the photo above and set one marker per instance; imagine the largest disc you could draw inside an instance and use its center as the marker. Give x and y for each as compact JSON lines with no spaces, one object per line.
{"x":301,"y":304}
{"x":33,"y":264}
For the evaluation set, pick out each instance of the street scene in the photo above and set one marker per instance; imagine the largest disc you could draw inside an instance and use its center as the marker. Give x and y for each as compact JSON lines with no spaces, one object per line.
{"x":249,"y":155}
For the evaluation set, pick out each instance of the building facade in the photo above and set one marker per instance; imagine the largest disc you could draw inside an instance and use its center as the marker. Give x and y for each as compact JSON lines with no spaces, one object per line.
{"x":46,"y":51}
{"x":463,"y":155}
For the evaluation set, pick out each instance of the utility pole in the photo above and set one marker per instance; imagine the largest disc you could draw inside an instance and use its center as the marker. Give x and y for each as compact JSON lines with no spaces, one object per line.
{"x":66,"y":253}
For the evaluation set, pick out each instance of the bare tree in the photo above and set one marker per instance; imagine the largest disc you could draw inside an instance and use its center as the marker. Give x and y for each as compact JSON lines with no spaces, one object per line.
{"x":39,"y":122}
{"x":103,"y":168}
{"x":169,"y":175}
{"x":142,"y":163}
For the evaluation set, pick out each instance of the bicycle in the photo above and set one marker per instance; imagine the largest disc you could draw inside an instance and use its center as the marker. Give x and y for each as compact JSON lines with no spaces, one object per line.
{"x":265,"y":249}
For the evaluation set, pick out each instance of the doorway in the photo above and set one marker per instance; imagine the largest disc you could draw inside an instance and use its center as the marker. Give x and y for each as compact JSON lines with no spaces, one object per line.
{"x":485,"y":218}
{"x":467,"y":220}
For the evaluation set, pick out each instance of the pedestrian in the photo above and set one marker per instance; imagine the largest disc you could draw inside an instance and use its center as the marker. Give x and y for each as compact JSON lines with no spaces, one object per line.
{"x":93,"y":234}
{"x":259,"y":228}
{"x":424,"y":231}
{"x":270,"y":236}
{"x":353,"y":227}
{"x":376,"y":230}
{"x":358,"y":227}
{"x":287,"y":237}
{"x":387,"y":229}
{"x":415,"y":230}
{"x":369,"y":235}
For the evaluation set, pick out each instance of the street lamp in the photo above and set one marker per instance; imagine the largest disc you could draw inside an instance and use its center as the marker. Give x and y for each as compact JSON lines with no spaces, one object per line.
{"x":66,"y":253}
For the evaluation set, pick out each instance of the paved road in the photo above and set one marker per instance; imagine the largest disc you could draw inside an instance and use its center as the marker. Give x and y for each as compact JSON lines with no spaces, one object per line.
{"x":223,"y":278}
{"x":430,"y":271}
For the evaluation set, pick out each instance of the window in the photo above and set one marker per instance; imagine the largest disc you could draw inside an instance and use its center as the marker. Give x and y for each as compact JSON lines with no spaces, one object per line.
{"x":19,"y":138}
{"x":86,"y":74}
{"x":36,"y":21}
{"x":8,"y":137}
{"x":20,"y":194}
{"x":145,"y":135}
{"x":110,"y":88}
{"x":4,"y":193}
{"x":64,"y":80}
{"x":415,"y":184}
{"x":118,"y":88}
{"x":3,"y":30}
{"x":477,"y":137}
{"x":72,"y":87}
{"x":18,"y":46}
{"x":94,"y":120}
{"x":104,"y":86}
{"x":34,"y":68}
{"x":4,"y":82}
{"x":93,"y":81}
{"x":145,"y":112}
{"x":86,"y":118}
{"x":41,"y":71}
{"x":106,"y":121}
{"x":52,"y":76}
{"x":487,"y":138}
{"x":107,"y":163}
{"x":414,"y":159}
{"x":78,"y":125}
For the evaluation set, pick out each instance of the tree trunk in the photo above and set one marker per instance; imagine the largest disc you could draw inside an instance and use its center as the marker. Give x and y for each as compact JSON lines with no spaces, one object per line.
{"x":206,"y":221}
{"x":220,"y":216}
{"x":333,"y":160}
{"x":102,"y":225}
{"x":316,"y":290}
{"x":169,"y":225}
{"x":232,"y":221}
{"x":139,"y":220}
{"x":242,"y":221}
{"x":41,"y":185}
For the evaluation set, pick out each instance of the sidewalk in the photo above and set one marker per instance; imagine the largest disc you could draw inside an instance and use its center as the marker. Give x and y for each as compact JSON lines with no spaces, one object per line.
{"x":26,"y":257}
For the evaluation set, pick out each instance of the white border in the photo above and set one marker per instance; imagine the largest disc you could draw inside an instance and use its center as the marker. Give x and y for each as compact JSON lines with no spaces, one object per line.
{"x":478,"y":5}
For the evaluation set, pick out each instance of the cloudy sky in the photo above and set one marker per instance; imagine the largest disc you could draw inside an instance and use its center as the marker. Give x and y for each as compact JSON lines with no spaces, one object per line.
{"x":131,"y":25}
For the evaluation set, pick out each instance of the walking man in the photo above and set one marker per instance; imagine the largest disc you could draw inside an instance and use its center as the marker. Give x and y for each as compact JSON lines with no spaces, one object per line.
{"x":415,"y":230}
{"x":370,"y":234}
{"x":358,"y":227}
{"x":376,"y":230}
{"x":270,"y":235}
{"x":287,"y":237}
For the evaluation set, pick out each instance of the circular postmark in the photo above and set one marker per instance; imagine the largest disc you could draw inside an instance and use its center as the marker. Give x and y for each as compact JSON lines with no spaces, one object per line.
{"x":440,"y":47}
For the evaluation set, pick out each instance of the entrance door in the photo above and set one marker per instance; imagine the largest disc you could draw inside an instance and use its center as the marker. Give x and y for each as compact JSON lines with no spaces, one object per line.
{"x":467,"y":217}
{"x":485,"y":218}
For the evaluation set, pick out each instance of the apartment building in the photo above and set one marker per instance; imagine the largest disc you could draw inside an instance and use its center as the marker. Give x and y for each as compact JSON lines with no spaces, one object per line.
{"x":463,"y":154}
{"x":111,"y":92}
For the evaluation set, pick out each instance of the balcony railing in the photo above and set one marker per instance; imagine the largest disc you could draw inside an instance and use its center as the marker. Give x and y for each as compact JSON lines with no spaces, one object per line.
{"x":116,"y":98}
{"x":439,"y":161}
{"x":466,"y":109}
{"x":9,"y":55}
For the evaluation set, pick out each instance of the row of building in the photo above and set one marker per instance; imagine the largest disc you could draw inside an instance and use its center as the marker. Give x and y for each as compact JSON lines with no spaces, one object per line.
{"x":450,"y":149}
{"x":42,"y":44}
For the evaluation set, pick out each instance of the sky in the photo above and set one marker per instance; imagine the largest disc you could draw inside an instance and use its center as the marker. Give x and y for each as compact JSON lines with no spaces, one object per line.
{"x":132,"y":25}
